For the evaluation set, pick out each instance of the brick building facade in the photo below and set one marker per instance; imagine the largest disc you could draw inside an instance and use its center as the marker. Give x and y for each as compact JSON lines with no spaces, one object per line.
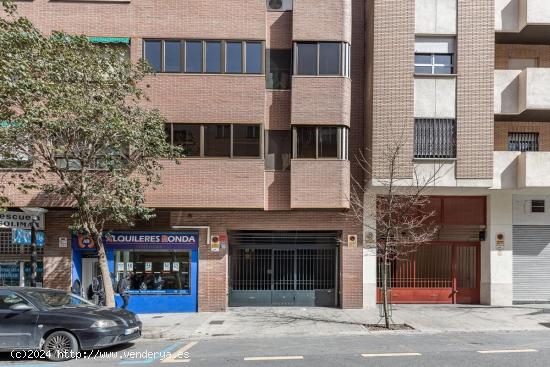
{"x":462,"y":84}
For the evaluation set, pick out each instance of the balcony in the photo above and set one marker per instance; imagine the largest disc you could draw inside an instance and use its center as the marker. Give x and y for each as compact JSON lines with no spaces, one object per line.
{"x":321,"y":100}
{"x":522,"y":95}
{"x":335,"y":17}
{"x":517,"y":170}
{"x":319,"y":184}
{"x":522,"y":21}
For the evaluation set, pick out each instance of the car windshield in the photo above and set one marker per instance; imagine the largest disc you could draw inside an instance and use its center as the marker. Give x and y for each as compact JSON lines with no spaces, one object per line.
{"x":59,"y":299}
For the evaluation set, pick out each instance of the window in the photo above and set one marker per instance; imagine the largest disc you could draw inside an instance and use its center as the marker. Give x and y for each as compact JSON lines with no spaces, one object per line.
{"x":187,"y":137}
{"x":320,"y":142}
{"x":152,"y":53}
{"x":278,"y":148}
{"x":278,"y":69}
{"x":216,"y":140}
{"x":200,"y":56}
{"x":193,"y":56}
{"x":322,"y":58}
{"x":8,"y":299}
{"x":213,"y":57}
{"x":434,"y":55}
{"x":234,"y":57}
{"x":523,"y":142}
{"x":254,"y":51}
{"x":52,"y":299}
{"x":435,"y":138}
{"x":156,"y":271}
{"x":246,"y":140}
{"x":306,"y":142}
{"x":433,"y":64}
{"x":329,"y":58}
{"x":172,"y":56}
{"x":537,"y":206}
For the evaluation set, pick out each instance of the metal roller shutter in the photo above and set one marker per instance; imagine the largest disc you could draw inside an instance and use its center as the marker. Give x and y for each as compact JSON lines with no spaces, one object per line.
{"x":531,"y":261}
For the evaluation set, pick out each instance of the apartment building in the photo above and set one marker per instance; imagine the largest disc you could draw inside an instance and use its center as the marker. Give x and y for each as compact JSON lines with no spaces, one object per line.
{"x":472,"y":106}
{"x":266,"y":98}
{"x":273,"y":101}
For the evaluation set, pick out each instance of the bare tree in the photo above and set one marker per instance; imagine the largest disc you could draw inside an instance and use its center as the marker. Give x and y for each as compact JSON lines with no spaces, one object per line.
{"x":398,"y":210}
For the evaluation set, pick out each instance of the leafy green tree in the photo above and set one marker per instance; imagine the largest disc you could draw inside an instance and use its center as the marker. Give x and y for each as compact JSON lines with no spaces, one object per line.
{"x":75,"y":109}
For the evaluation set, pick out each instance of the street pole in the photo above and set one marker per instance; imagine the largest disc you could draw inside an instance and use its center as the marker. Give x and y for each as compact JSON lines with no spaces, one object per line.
{"x":33,"y":251}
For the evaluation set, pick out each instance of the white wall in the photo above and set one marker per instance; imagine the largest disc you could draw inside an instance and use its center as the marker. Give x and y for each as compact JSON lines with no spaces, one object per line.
{"x":436,"y":16}
{"x":369,"y":252}
{"x":506,"y":92}
{"x":522,"y":210}
{"x":496,"y":265}
{"x":507,"y":15}
{"x":434,"y":97}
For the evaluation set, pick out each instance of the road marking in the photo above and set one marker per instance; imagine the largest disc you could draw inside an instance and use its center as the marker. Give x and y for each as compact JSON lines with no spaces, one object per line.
{"x":507,"y":351}
{"x":391,"y":355}
{"x":157,"y":355}
{"x":275,"y":358}
{"x":174,"y":356}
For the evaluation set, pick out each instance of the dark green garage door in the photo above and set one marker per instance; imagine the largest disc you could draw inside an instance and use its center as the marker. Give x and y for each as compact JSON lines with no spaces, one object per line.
{"x":283,"y":268}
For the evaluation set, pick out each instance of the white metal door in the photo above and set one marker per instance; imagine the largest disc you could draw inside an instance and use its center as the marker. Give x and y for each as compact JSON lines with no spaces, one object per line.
{"x":531,"y":263}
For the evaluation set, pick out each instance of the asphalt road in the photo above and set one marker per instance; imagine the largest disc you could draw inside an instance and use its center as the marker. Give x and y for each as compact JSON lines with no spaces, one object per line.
{"x":513,"y":349}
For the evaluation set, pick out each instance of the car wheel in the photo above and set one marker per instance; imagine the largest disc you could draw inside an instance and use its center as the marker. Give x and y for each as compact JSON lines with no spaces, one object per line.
{"x":60,"y":346}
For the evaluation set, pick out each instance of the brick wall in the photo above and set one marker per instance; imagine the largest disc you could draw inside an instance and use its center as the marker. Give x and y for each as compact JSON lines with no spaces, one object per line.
{"x":503,"y":52}
{"x":331,"y":21}
{"x":210,"y":183}
{"x":57,"y":260}
{"x":503,"y":128}
{"x":277,"y":190}
{"x":320,"y":184}
{"x":475,"y":112}
{"x":208,"y":19}
{"x":321,"y":101}
{"x":391,"y":76}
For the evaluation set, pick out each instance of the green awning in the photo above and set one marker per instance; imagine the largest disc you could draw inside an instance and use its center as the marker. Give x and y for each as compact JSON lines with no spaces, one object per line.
{"x":124,"y":40}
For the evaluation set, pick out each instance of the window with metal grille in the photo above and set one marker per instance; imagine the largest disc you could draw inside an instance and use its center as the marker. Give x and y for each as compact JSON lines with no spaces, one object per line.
{"x":7,"y":247}
{"x":523,"y":142}
{"x":434,"y":138}
{"x":538,"y":206}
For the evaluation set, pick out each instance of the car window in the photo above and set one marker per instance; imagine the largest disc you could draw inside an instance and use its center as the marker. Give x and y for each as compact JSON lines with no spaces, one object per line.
{"x":59,"y":299}
{"x":9,"y":299}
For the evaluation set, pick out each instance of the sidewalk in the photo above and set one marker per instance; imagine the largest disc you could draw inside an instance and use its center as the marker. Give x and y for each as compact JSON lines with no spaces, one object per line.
{"x":273,"y":322}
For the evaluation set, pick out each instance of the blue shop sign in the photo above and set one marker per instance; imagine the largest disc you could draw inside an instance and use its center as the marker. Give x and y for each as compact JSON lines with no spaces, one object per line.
{"x":23,"y":237}
{"x":152,"y":240}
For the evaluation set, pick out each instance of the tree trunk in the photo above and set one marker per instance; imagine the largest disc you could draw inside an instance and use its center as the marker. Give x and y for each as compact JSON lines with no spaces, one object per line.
{"x":104,"y":268}
{"x":385,"y":290}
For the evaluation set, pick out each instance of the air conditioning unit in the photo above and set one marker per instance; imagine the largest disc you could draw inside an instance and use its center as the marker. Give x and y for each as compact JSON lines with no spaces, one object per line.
{"x":279,"y":5}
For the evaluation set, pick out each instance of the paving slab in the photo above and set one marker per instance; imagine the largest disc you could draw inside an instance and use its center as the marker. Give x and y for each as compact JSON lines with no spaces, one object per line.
{"x":297,"y":321}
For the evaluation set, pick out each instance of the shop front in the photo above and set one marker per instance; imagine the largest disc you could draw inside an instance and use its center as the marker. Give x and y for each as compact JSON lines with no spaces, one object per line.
{"x":162,"y":268}
{"x":15,"y":248}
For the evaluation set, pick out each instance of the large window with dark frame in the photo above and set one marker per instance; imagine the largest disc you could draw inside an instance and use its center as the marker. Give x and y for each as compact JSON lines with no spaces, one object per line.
{"x":322,"y":58}
{"x":279,"y":68}
{"x":216,"y":140}
{"x":435,"y":63}
{"x":523,"y":142}
{"x":434,"y":138}
{"x":320,"y":142}
{"x":204,"y":56}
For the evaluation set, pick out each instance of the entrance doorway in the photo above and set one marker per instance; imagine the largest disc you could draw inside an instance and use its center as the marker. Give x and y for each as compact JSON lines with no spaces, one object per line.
{"x":283,"y":269}
{"x":90,"y":270}
{"x":436,"y":273}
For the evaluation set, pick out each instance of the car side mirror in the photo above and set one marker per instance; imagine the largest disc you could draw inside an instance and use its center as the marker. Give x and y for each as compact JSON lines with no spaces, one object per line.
{"x":21,"y":307}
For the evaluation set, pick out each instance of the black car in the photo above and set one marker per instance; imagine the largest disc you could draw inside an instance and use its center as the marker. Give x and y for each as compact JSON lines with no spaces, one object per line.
{"x":60,"y":324}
